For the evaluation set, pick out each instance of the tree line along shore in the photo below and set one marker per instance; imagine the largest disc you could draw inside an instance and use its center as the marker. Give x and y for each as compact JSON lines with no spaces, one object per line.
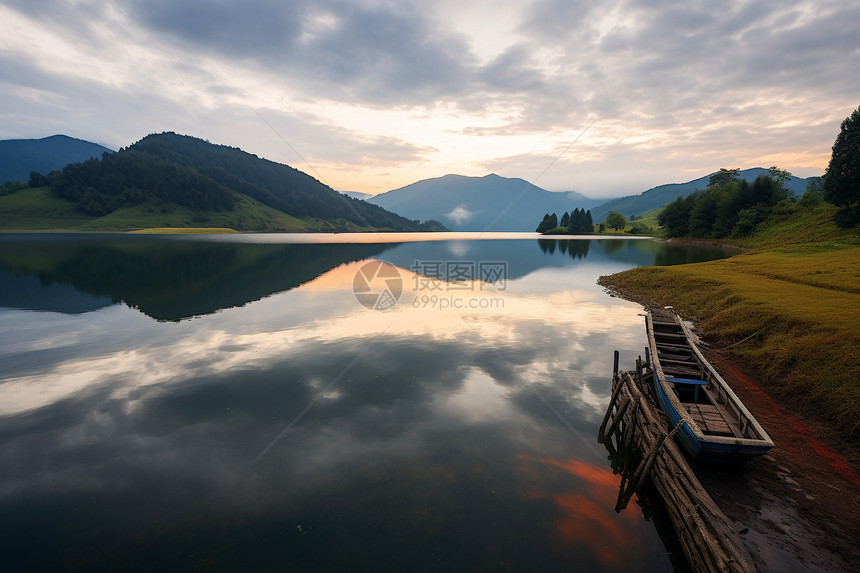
{"x":788,"y":307}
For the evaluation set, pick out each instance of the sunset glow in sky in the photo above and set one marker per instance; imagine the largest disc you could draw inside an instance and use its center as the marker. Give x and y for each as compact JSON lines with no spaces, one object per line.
{"x":605,"y":98}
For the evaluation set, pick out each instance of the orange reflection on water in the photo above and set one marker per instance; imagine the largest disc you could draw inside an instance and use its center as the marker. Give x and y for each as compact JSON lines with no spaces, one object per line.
{"x":588,"y":519}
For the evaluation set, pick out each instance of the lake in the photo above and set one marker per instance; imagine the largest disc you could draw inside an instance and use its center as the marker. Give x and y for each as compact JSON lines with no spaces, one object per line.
{"x":316,"y":402}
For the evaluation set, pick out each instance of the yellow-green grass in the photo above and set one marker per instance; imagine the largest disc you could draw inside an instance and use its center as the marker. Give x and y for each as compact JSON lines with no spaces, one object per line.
{"x":184,"y":231}
{"x":795,"y":225}
{"x":800,"y":304}
{"x":648,"y":219}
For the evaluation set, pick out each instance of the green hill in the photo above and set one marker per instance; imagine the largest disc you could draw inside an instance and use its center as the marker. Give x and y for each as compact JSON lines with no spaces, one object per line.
{"x":786,"y":308}
{"x":658,"y":196}
{"x":38,"y":209}
{"x":175,"y":181}
{"x":273,"y":184}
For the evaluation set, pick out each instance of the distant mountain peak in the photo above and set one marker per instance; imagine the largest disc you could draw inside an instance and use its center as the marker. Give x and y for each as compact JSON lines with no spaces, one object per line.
{"x":20,"y":157}
{"x":479,"y":203}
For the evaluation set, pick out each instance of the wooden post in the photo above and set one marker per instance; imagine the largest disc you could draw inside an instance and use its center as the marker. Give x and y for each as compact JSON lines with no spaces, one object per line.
{"x":645,"y":468}
{"x":613,"y":425}
{"x":615,"y":363}
{"x":615,"y":391}
{"x":629,"y":429}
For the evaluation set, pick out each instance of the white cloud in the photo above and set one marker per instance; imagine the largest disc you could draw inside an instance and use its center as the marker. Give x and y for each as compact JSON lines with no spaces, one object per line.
{"x":460,"y":214}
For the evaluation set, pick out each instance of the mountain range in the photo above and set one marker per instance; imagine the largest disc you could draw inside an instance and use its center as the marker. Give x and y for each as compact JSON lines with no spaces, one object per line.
{"x":170,"y":180}
{"x":20,"y":157}
{"x":489,"y":203}
{"x":663,"y":194}
{"x":494,"y":203}
{"x":167,"y":172}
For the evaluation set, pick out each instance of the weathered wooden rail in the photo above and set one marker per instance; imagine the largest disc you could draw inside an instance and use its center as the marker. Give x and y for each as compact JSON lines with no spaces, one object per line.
{"x":638,"y":436}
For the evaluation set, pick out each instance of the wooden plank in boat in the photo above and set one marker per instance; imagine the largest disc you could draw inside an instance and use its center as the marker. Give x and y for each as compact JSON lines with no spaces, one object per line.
{"x":690,"y":363}
{"x":669,"y":345}
{"x":675,"y":352}
{"x":680,"y":367}
{"x":678,"y":359}
{"x":670,"y":335}
{"x":710,"y":420}
{"x":682,"y":373}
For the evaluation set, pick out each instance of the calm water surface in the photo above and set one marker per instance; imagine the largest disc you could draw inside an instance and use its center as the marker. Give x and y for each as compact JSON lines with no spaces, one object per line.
{"x":236,"y":403}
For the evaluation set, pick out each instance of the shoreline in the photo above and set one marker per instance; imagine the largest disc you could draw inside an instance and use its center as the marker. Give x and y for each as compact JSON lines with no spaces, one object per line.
{"x":704,"y":243}
{"x":797,"y":506}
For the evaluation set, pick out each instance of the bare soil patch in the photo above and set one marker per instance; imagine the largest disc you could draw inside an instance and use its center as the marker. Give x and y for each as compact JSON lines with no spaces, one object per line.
{"x":798,"y":507}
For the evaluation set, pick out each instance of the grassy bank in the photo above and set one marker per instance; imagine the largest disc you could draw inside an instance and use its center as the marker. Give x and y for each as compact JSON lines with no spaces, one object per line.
{"x":184,"y":231}
{"x":37,"y":209}
{"x":796,"y":294}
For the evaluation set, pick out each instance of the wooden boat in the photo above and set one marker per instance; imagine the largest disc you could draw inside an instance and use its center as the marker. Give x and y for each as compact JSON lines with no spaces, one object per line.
{"x":717,"y":425}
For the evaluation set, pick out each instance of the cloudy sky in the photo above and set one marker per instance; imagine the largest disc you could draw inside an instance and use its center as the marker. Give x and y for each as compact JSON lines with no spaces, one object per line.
{"x":606,"y":98}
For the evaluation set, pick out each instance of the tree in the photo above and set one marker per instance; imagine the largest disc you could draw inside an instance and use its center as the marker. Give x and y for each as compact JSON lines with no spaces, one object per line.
{"x":705,"y":211}
{"x":549,"y":222}
{"x":580,"y":222}
{"x":812,"y":197}
{"x":37,"y":179}
{"x":11,"y":187}
{"x":616,"y":220}
{"x":723,"y":176}
{"x":675,"y":217}
{"x":573,"y":223}
{"x":781,"y":176}
{"x":565,"y":220}
{"x":842,"y":177}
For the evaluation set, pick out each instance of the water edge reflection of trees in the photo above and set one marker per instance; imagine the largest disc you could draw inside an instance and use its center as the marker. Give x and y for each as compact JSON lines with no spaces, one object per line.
{"x":576,"y":249}
{"x":174,"y":280}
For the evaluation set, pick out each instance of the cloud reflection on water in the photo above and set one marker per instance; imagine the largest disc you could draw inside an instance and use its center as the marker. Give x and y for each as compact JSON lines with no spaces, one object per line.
{"x":139,"y":414}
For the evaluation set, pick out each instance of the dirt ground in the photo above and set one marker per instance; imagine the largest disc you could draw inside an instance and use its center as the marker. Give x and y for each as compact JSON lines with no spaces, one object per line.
{"x":798,"y":507}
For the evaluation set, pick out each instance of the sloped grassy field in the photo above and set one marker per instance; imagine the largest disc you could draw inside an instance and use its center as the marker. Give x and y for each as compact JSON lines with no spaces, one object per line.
{"x":800,"y":302}
{"x":37,"y":209}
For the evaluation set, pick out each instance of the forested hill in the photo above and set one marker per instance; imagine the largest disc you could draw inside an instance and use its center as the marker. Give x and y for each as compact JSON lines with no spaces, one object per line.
{"x":273,"y":184}
{"x":190,"y":172}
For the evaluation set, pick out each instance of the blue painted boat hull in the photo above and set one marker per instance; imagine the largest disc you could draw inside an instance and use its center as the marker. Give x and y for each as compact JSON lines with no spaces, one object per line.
{"x":704,"y":450}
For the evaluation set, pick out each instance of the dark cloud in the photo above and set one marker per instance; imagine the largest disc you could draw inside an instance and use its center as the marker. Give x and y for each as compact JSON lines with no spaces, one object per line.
{"x":387,"y":54}
{"x":650,"y":56}
{"x":513,"y":71}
